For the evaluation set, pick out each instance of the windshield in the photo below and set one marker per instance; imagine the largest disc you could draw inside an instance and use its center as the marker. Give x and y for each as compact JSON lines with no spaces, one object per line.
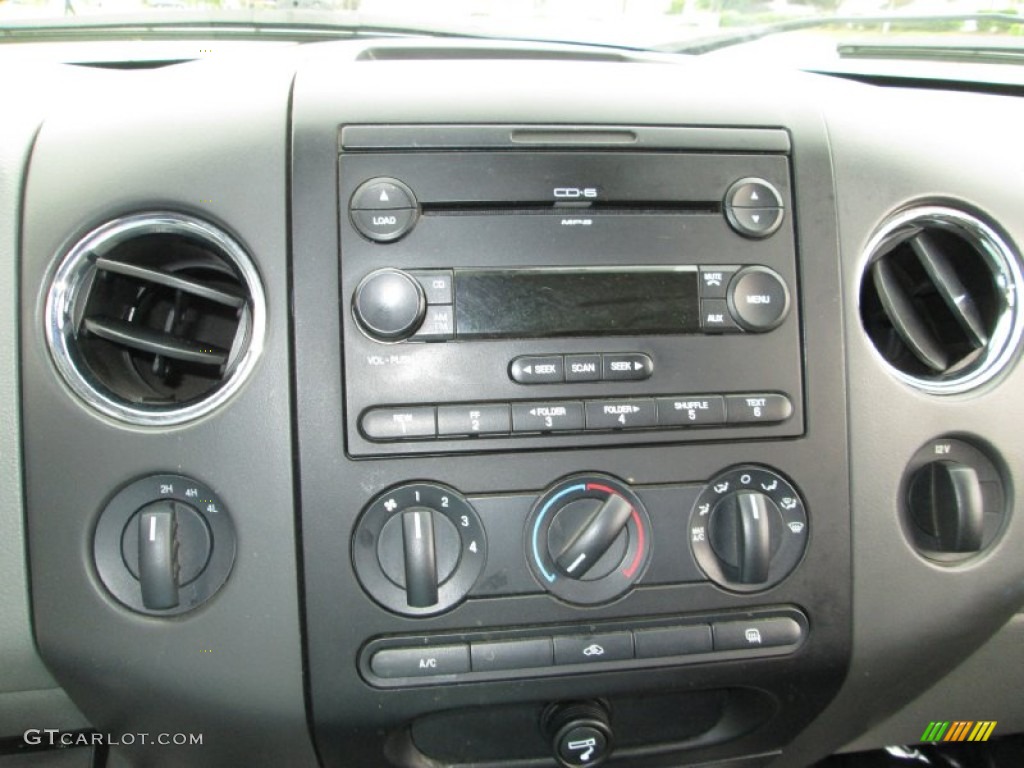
{"x":798,"y":28}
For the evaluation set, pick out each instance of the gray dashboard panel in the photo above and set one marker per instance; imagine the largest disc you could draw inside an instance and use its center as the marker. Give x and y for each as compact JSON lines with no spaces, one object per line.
{"x":179,"y":136}
{"x":231,"y":670}
{"x":915,"y":621}
{"x":29,"y":697}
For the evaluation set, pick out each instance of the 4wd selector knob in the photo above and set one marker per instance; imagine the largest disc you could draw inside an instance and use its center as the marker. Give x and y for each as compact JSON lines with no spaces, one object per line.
{"x":389,"y":305}
{"x":748,"y":528}
{"x":588,"y":539}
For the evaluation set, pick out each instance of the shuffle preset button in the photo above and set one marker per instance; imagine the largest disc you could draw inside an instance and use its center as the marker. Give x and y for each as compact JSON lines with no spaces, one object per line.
{"x":691,"y":411}
{"x":421,"y":662}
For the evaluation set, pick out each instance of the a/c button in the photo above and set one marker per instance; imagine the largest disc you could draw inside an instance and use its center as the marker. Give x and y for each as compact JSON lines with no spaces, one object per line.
{"x":421,"y":662}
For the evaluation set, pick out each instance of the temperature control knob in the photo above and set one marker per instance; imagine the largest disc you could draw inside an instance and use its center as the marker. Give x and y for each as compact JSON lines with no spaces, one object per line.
{"x":588,"y":539}
{"x":419,"y":548}
{"x":748,"y":528}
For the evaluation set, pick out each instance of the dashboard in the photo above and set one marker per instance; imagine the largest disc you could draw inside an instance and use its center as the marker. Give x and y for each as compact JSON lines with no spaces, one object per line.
{"x":429,"y":403}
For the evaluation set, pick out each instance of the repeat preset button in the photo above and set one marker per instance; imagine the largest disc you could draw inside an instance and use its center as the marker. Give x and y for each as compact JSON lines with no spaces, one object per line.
{"x":399,"y":423}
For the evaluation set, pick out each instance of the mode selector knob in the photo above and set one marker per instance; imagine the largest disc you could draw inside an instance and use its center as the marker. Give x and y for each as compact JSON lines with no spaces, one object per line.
{"x":389,"y":305}
{"x":744,"y":527}
{"x":748,"y":528}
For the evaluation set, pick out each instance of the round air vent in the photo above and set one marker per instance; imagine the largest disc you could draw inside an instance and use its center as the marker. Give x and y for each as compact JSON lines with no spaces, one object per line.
{"x":939,"y":299}
{"x":155,"y":319}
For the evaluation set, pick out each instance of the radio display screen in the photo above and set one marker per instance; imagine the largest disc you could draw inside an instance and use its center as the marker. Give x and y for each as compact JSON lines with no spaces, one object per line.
{"x":537,"y":303}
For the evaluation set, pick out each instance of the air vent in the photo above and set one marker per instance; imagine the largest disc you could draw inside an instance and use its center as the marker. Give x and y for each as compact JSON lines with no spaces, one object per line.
{"x":155,"y":319}
{"x":938,"y":299}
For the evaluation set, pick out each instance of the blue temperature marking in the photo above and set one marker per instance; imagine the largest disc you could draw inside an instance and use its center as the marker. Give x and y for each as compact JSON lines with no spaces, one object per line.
{"x":540,"y":519}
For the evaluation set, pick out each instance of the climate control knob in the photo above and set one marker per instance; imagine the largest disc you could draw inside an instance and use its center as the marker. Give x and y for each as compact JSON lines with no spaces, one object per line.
{"x":588,"y":539}
{"x":748,"y":528}
{"x":419,"y":548}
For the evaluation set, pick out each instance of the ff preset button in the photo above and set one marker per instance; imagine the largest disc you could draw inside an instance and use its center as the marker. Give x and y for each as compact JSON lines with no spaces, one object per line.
{"x":547,"y":417}
{"x":534,"y":369}
{"x":627,"y":366}
{"x":691,"y":411}
{"x":421,"y":662}
{"x":757,"y":408}
{"x":473,"y":420}
{"x":399,"y":423}
{"x":759,"y":633}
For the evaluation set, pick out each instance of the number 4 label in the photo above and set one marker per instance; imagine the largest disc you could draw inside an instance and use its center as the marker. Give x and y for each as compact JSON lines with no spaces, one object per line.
{"x":472,"y":546}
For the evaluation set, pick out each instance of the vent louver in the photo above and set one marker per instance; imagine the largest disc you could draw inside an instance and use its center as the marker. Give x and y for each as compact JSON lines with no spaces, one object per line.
{"x":155,"y":319}
{"x":938,"y":299}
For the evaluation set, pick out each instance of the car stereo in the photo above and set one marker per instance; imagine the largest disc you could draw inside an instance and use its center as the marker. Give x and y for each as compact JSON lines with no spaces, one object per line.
{"x":515,"y":300}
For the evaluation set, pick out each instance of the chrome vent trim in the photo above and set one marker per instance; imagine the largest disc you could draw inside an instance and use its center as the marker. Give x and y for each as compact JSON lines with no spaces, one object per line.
{"x":987,"y":323}
{"x":66,"y":324}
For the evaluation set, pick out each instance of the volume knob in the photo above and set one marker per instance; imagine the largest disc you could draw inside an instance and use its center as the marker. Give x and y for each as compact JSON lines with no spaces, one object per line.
{"x":389,"y":305}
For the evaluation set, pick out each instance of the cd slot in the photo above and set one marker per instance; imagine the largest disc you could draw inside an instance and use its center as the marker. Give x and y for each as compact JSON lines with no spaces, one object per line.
{"x":561,"y":208}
